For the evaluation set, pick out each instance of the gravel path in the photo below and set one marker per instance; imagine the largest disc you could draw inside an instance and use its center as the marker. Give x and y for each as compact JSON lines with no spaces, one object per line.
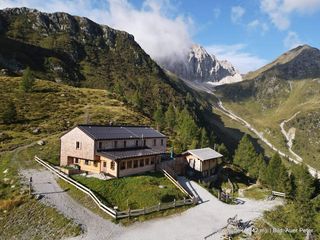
{"x":95,"y":227}
{"x":195,"y":223}
{"x":290,"y":136}
{"x":235,"y":117}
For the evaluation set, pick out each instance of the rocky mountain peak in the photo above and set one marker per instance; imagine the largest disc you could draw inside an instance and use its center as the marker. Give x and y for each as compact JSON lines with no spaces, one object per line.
{"x":200,"y":66}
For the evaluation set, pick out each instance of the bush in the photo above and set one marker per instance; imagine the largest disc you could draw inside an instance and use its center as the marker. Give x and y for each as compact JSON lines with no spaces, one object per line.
{"x":9,"y":114}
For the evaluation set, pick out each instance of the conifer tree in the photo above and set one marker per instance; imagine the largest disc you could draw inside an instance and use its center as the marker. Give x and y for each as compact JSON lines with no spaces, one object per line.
{"x":222,"y":149}
{"x":158,"y":116}
{"x":204,"y":140}
{"x":257,"y":164}
{"x":9,"y":114}
{"x":27,"y":81}
{"x":170,"y":117}
{"x":137,"y":100}
{"x":273,"y":171}
{"x":245,"y":155}
{"x":304,"y":184}
{"x":187,"y":131}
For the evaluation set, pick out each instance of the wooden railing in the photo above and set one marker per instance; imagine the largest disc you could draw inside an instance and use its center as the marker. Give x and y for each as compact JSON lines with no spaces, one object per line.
{"x":122,"y":214}
{"x":63,"y":176}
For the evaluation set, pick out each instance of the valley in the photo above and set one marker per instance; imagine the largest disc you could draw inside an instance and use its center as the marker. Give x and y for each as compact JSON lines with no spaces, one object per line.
{"x":302,"y":98}
{"x":147,"y":126}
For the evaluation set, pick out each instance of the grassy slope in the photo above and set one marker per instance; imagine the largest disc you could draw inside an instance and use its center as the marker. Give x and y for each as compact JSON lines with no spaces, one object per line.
{"x":134,"y":191}
{"x":304,"y":97}
{"x":53,"y":108}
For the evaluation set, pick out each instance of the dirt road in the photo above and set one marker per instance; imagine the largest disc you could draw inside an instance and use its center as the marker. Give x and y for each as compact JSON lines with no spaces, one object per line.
{"x":195,"y":223}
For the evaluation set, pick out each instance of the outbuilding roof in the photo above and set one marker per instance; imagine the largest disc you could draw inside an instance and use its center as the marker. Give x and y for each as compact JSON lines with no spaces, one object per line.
{"x":204,"y":153}
{"x":123,"y":154}
{"x":101,"y":132}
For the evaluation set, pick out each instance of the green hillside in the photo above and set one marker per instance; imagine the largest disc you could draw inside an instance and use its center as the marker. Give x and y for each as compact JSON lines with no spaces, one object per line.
{"x":50,"y":109}
{"x":266,"y":103}
{"x":74,"y":50}
{"x":54,"y":108}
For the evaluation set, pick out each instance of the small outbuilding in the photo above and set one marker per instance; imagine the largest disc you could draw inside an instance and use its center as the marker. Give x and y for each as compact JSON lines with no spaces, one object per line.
{"x":203,"y":161}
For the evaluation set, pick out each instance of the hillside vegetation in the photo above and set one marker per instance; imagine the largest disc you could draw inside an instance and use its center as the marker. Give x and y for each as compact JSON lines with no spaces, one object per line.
{"x":50,"y":109}
{"x":76,"y":51}
{"x":266,"y":110}
{"x":285,"y":90}
{"x":54,"y":108}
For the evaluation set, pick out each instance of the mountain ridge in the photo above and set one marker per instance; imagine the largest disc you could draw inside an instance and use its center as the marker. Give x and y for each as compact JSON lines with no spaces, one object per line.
{"x":199,"y":66}
{"x":300,"y":62}
{"x":276,"y":92}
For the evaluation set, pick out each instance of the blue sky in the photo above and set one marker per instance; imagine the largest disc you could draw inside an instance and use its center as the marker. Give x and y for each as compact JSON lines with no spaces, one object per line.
{"x":248,"y":33}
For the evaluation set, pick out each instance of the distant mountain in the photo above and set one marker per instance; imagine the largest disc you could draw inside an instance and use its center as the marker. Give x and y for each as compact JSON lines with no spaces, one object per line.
{"x":287,"y":89}
{"x":299,"y":63}
{"x":198,"y":65}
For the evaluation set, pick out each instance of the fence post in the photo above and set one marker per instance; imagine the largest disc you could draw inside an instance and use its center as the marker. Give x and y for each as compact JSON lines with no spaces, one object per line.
{"x":174,"y":203}
{"x":194,"y":200}
{"x":129,"y":212}
{"x":144,"y":210}
{"x":184,"y":201}
{"x":159,"y":206}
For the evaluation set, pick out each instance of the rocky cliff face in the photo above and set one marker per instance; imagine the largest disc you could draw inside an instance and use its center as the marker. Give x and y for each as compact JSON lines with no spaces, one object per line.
{"x":198,"y":65}
{"x":77,"y":51}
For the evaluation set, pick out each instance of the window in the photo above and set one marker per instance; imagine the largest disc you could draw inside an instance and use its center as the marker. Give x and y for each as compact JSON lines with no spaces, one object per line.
{"x":141,"y":162}
{"x":100,"y":145}
{"x":123,"y":165}
{"x":154,"y":142}
{"x":137,"y":143}
{"x":135,"y":163}
{"x":77,"y":145}
{"x":104,"y":164}
{"x":124,"y":144}
{"x":144,"y":142}
{"x":115,"y":144}
{"x":95,"y":164}
{"x":112,"y":165}
{"x":161,"y":142}
{"x":147,"y":161}
{"x":76,"y":160}
{"x":86,"y":162}
{"x":129,"y":164}
{"x":152,"y":160}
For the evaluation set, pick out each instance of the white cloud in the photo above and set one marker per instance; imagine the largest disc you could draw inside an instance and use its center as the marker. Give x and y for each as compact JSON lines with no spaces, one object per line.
{"x":159,"y":35}
{"x":304,"y":6}
{"x":236,"y":13}
{"x":158,"y":32}
{"x":279,"y":11}
{"x":216,"y":12}
{"x":258,"y":25}
{"x":292,"y":40}
{"x":238,"y":56}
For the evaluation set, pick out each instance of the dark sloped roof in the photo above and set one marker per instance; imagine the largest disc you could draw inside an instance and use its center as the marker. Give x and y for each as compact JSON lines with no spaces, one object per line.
{"x":100,"y":132}
{"x":123,"y":154}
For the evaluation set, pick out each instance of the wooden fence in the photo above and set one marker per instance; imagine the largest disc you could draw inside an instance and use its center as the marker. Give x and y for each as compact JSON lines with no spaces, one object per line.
{"x":63,"y":176}
{"x":122,"y":214}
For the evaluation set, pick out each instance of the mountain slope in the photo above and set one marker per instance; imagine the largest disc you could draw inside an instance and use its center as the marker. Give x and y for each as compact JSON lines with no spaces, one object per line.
{"x":79,"y":52}
{"x":299,"y":63}
{"x":198,"y":65}
{"x":284,"y":91}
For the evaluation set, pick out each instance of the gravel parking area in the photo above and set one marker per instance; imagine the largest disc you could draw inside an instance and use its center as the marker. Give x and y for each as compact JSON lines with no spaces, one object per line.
{"x":195,"y":223}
